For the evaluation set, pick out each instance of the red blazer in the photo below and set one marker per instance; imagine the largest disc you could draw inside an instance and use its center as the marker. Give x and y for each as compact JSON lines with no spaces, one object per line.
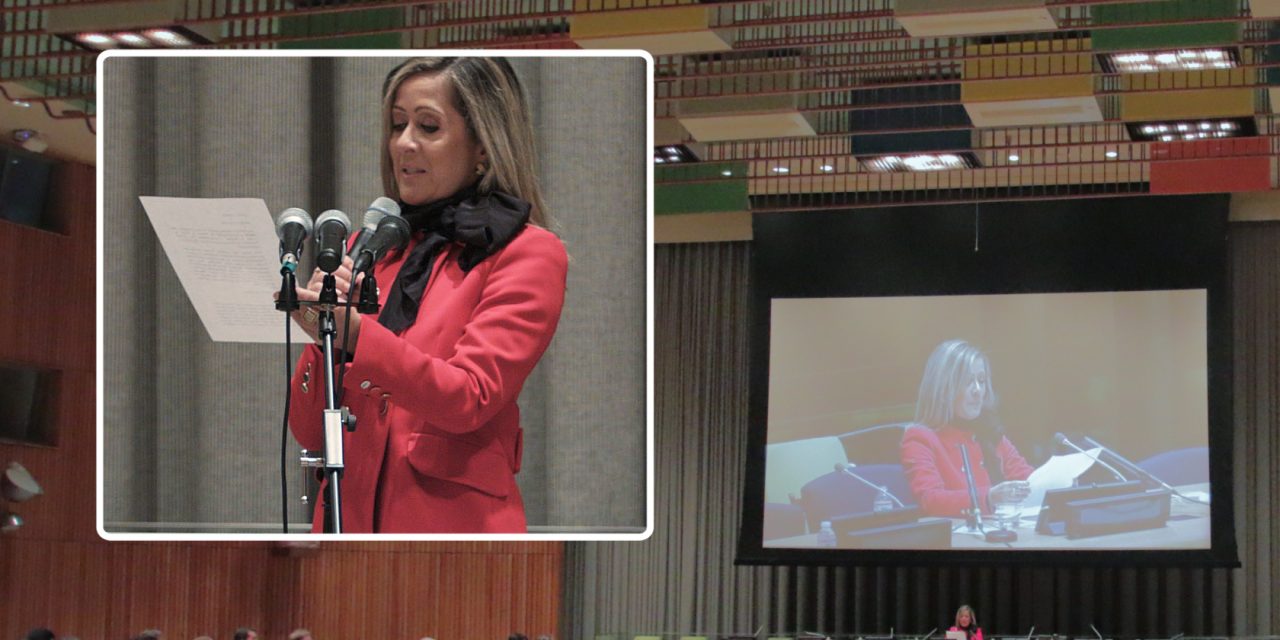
{"x":935,"y":471}
{"x":438,"y":439}
{"x":977,"y":633}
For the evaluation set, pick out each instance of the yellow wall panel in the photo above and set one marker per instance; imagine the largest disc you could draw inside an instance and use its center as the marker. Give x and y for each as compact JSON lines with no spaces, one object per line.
{"x":1185,"y":79}
{"x":1026,"y":89}
{"x":1204,"y":103}
{"x":621,"y":23}
{"x":1043,"y":57}
{"x":596,"y":5}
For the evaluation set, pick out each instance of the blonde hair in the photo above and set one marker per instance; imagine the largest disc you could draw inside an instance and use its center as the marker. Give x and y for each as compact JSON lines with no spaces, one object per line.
{"x":973,"y":617}
{"x":488,"y":95}
{"x":944,"y":377}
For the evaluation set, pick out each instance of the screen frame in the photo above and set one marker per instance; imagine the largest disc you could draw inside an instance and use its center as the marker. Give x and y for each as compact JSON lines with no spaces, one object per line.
{"x":1112,"y":244}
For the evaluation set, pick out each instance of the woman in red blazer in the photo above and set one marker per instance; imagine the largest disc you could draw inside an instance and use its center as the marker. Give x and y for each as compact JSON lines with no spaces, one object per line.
{"x":469,"y":306}
{"x":967,"y":621}
{"x":956,"y":408}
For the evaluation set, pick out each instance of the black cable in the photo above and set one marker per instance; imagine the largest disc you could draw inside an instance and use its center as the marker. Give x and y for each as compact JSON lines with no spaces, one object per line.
{"x":284,"y":427}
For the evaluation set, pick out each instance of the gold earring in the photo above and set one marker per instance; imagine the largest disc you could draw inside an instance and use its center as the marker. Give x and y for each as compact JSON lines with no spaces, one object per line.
{"x":480,"y":168}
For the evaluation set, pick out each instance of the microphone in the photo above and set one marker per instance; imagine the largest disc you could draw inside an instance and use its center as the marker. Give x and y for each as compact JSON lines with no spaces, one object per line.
{"x":975,"y":511}
{"x":1135,"y":468}
{"x":1095,"y":631}
{"x":930,"y":634}
{"x":1031,"y":632}
{"x":1060,"y":440}
{"x":331,"y":235}
{"x":293,"y":225}
{"x":392,"y":233}
{"x":381,"y":207}
{"x":847,"y":469}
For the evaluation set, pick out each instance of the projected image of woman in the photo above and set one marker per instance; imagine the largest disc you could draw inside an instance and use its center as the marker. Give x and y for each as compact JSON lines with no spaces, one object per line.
{"x":956,"y":408}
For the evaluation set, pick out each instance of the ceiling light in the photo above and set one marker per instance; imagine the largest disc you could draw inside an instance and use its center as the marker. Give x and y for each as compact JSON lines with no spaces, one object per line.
{"x":674,"y":153}
{"x":167,"y":38}
{"x":726,"y":173}
{"x":1013,"y":157}
{"x":10,"y":522}
{"x":781,"y":170}
{"x":132,"y":39}
{"x":1111,"y":154}
{"x":1184,"y":59}
{"x":21,"y":103}
{"x":96,"y":40}
{"x":18,"y":485}
{"x":1191,"y":129}
{"x":921,"y":162}
{"x":826,"y":168}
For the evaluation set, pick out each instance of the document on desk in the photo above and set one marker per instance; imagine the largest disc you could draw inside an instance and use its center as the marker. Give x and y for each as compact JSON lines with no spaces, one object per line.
{"x":1057,"y":473}
{"x":226,"y":255}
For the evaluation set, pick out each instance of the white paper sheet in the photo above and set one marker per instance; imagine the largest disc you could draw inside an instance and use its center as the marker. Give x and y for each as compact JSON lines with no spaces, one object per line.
{"x":1057,"y":473}
{"x":225,"y":253}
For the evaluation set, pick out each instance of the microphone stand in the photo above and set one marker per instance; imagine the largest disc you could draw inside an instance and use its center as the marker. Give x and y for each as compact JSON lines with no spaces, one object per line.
{"x":974,"y":516}
{"x":335,"y":418}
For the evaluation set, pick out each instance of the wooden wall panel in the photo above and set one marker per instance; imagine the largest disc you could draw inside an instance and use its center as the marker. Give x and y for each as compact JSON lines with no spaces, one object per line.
{"x":56,"y":572}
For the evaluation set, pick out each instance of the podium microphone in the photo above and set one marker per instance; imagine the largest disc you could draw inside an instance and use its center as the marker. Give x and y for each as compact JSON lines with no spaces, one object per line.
{"x":1140,"y":471}
{"x":331,"y":235}
{"x":1032,"y":632}
{"x":293,"y":225}
{"x":380,"y":208}
{"x":392,"y":233}
{"x":1062,"y":440}
{"x":847,"y":469}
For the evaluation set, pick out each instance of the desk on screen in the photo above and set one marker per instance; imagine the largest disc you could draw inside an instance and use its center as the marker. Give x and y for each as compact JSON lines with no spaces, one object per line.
{"x":1187,"y":528}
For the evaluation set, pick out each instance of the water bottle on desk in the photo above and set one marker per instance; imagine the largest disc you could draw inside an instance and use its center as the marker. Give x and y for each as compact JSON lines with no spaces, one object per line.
{"x":882,"y":502}
{"x":826,"y":536}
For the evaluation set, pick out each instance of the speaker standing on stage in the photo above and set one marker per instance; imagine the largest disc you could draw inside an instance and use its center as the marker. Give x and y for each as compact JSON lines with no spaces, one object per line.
{"x":956,"y":407}
{"x":967,"y":621}
{"x":468,"y":309}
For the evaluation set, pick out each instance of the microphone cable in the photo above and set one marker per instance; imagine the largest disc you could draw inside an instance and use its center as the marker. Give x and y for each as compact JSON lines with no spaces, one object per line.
{"x":284,"y":422}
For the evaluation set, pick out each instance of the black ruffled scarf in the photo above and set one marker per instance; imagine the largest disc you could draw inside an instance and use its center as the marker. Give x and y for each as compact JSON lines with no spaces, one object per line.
{"x":484,"y":223}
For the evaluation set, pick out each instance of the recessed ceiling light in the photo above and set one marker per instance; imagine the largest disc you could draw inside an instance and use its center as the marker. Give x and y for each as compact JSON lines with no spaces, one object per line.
{"x":826,"y":168}
{"x":781,"y":170}
{"x":21,"y":103}
{"x":132,"y":39}
{"x":1191,"y":129}
{"x":726,"y":173}
{"x":658,"y":160}
{"x":674,"y":153}
{"x":167,"y":38}
{"x":1184,"y":59}
{"x":1013,"y":157}
{"x":96,"y":40}
{"x":921,"y":162}
{"x":1112,"y":154}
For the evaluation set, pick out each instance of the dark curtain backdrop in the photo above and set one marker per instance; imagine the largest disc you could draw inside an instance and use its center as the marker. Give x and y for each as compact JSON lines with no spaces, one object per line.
{"x":683,"y":580}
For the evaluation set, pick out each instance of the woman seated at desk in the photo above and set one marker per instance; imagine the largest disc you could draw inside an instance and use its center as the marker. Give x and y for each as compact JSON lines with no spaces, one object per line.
{"x":956,"y":408}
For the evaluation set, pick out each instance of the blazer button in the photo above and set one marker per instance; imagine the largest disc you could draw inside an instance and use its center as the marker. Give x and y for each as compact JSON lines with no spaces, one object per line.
{"x":366,"y":384}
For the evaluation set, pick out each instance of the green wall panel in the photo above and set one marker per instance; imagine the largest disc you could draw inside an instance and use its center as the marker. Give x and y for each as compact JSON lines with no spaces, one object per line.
{"x":719,"y":194}
{"x":336,"y":24}
{"x":1165,"y":37}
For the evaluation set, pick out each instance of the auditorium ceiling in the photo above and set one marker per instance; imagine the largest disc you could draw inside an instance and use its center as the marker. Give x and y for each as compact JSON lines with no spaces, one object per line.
{"x":780,"y":106}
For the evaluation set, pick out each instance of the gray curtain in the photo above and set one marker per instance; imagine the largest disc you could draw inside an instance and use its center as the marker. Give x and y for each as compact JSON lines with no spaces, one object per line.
{"x":192,"y":427}
{"x":683,"y":580}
